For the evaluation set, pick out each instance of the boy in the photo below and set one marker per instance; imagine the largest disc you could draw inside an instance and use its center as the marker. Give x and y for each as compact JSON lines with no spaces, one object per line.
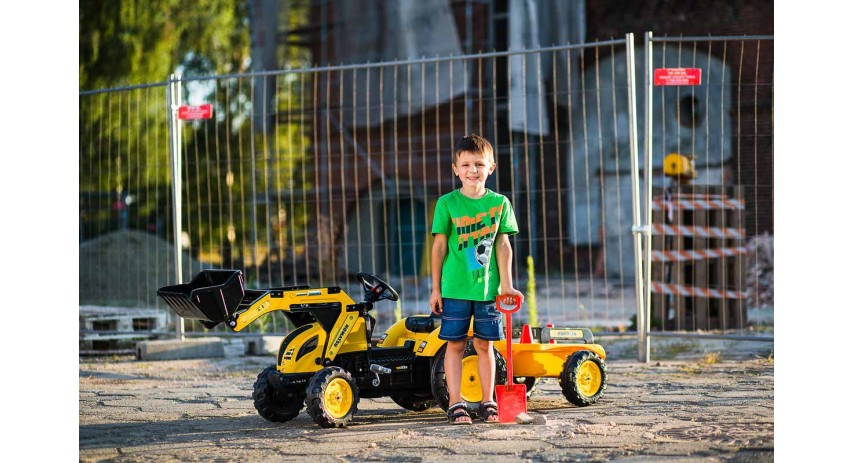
{"x":469,"y":223}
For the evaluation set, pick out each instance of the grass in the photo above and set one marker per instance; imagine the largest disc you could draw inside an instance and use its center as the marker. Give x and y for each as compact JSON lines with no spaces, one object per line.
{"x":688,"y":368}
{"x":711,"y":358}
{"x":672,"y":350}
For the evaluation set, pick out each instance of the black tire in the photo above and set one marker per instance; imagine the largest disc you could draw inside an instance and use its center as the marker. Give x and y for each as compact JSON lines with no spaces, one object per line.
{"x":273,"y":404}
{"x":584,"y":378}
{"x":332,"y":397}
{"x":529,"y":382}
{"x":414,"y":403}
{"x":440,"y":388}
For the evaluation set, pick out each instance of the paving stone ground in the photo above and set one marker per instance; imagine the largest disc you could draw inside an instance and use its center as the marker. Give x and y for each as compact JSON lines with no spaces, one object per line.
{"x":685,"y":410}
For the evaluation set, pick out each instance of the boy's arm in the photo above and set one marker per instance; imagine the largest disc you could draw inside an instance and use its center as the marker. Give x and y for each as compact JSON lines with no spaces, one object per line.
{"x":439,"y":252}
{"x":505,"y":266}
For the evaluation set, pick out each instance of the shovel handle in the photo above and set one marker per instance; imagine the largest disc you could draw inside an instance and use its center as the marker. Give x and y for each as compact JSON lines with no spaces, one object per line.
{"x":502,"y":303}
{"x":508,"y":303}
{"x":509,"y":352}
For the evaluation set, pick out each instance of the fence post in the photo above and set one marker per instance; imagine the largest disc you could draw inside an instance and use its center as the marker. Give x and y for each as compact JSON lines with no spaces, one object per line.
{"x":173,"y":96}
{"x":647,"y":145}
{"x":637,"y":228}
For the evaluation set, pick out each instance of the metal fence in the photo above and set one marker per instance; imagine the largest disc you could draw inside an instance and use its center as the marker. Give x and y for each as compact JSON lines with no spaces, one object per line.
{"x":307,"y":176}
{"x":710,"y":243}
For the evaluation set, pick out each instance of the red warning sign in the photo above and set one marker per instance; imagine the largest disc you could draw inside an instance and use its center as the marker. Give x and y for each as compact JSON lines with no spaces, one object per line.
{"x":195,"y":112}
{"x":676,"y":76}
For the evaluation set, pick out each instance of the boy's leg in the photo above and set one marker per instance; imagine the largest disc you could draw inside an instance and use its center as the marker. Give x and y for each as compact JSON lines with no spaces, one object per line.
{"x":456,"y":317}
{"x":487,"y":329}
{"x":454,"y":371}
{"x":485,"y":367}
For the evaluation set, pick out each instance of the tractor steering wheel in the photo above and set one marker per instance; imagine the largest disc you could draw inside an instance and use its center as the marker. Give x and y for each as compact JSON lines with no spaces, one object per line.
{"x":376,"y":289}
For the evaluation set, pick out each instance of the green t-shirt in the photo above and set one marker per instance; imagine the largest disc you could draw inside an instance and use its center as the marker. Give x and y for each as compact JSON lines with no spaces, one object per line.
{"x":470,"y":270}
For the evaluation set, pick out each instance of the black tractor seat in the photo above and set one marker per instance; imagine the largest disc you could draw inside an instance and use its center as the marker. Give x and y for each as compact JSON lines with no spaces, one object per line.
{"x":422,"y":323}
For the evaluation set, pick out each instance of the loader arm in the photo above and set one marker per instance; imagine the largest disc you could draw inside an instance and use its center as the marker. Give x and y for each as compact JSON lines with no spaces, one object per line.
{"x":220,"y":296}
{"x":294,"y":302}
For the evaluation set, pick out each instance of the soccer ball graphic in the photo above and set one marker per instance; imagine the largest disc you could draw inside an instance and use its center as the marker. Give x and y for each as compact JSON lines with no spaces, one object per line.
{"x":483,"y":250}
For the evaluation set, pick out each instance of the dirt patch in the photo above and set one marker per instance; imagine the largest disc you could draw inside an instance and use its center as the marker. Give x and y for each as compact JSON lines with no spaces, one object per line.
{"x":201,"y":410}
{"x":125,"y":268}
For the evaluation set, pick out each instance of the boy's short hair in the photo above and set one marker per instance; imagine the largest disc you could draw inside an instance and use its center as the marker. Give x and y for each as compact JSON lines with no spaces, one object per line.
{"x":474,"y":144}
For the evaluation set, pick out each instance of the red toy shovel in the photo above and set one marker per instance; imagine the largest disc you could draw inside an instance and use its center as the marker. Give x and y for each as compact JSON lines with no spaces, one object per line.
{"x":512,"y":399}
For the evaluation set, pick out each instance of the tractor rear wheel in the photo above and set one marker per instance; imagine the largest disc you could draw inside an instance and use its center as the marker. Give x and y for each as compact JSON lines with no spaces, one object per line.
{"x":530,"y":383}
{"x":470,"y":390}
{"x":414,"y":402}
{"x":273,"y":404}
{"x":584,"y":378}
{"x":332,"y":397}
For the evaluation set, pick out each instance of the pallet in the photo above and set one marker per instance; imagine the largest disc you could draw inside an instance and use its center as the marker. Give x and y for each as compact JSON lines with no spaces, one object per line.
{"x":699,"y":259}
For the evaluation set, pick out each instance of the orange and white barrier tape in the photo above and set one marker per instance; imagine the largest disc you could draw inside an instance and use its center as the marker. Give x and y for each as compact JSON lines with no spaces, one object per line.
{"x":695,"y":196}
{"x":693,"y":291}
{"x":703,"y":232}
{"x":696,"y":254}
{"x":697,"y":204}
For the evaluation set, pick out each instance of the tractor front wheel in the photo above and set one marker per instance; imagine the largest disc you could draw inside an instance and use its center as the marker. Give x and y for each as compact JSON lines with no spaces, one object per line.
{"x":584,"y":378}
{"x":273,"y":404}
{"x":332,"y":397}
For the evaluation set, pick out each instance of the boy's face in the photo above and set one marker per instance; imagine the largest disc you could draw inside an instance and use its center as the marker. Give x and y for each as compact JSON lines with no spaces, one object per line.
{"x":473,"y":169}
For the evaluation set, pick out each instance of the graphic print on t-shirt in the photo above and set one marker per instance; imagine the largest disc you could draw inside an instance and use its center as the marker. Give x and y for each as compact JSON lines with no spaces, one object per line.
{"x":475,"y":236}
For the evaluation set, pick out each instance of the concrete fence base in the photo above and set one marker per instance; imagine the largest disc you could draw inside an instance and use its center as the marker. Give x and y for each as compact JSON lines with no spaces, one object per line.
{"x":175,"y":349}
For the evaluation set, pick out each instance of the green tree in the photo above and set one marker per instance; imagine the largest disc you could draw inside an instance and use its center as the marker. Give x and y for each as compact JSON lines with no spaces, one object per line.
{"x":139,"y":42}
{"x":124,"y":135}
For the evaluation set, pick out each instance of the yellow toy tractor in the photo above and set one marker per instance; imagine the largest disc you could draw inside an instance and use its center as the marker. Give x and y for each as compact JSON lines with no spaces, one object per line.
{"x":327,"y":362}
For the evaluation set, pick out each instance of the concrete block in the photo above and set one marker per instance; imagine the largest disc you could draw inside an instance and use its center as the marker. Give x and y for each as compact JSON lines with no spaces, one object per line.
{"x":263,"y":345}
{"x":175,"y":349}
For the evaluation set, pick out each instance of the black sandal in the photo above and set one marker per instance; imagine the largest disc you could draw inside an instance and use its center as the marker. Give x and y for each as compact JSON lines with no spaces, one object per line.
{"x":487,"y":410}
{"x":457,"y":411}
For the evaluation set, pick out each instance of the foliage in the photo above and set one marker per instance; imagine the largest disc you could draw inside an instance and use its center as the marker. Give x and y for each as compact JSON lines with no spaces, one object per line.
{"x":711,"y":358}
{"x":670,"y":350}
{"x":131,"y":43}
{"x":234,"y":175}
{"x":531,"y":296}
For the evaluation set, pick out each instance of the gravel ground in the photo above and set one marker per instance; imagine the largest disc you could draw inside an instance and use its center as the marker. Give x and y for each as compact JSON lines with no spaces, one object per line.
{"x":706,"y":408}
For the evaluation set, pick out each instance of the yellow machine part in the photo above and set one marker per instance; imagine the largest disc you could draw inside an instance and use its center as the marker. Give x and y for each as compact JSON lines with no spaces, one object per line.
{"x":338,"y":398}
{"x":268,"y":304}
{"x":289,"y":363}
{"x":679,"y":166}
{"x":543,"y":360}
{"x":589,"y":378}
{"x":348,"y":332}
{"x":395,"y":335}
{"x":356,"y":340}
{"x":426,"y":344}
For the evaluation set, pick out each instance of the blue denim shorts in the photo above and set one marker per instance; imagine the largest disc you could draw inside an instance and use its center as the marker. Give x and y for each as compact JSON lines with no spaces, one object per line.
{"x":457,"y":315}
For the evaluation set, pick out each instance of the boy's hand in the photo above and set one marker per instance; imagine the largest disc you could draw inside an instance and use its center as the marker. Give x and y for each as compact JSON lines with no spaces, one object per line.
{"x":514,"y":292}
{"x":436,"y":302}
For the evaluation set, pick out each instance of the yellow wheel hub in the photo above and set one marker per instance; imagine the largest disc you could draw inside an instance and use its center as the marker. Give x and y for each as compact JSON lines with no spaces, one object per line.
{"x":470,"y":387}
{"x":338,"y":398}
{"x":589,"y":378}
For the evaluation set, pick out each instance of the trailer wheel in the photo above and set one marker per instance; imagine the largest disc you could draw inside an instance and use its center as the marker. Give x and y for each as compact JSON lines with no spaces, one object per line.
{"x":584,"y":378}
{"x":332,"y":397}
{"x":414,"y":402}
{"x":470,"y":386}
{"x":530,"y":383}
{"x":273,"y":404}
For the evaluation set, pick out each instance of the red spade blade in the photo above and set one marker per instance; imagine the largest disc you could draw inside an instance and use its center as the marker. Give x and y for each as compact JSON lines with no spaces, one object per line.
{"x":512,"y":400}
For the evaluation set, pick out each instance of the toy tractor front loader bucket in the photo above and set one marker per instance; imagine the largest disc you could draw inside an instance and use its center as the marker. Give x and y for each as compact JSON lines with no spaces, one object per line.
{"x":212,"y":296}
